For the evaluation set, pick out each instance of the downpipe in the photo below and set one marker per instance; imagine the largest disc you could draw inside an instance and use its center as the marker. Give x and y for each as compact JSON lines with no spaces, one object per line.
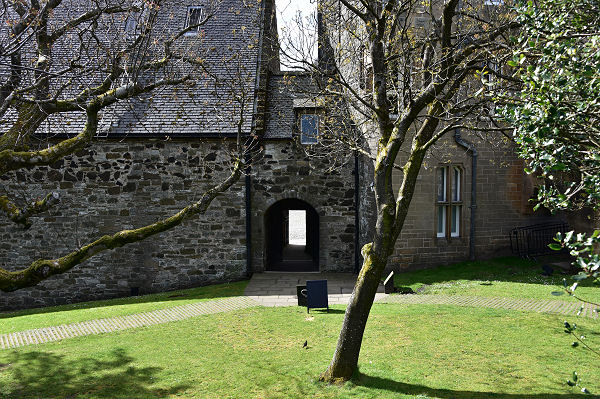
{"x":470,"y":148}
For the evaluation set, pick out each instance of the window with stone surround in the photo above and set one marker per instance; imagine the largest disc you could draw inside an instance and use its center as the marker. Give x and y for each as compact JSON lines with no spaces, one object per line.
{"x":449,"y":202}
{"x":309,"y":128}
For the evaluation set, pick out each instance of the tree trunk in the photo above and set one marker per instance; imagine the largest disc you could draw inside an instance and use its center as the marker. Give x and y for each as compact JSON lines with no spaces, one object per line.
{"x":375,"y":254}
{"x":345,"y":358}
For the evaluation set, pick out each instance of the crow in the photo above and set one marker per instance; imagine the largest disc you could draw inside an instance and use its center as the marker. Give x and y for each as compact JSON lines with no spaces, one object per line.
{"x":305,"y":346}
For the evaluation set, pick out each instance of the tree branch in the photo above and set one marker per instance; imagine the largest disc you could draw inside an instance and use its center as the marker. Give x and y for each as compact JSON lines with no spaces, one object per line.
{"x":88,"y":16}
{"x":21,"y":216}
{"x":41,"y":269}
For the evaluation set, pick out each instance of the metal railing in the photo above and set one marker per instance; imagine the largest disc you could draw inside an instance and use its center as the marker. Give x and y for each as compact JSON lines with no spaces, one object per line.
{"x":531,"y":241}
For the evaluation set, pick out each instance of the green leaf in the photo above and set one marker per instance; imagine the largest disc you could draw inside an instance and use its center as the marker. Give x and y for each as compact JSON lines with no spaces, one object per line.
{"x":579,"y":276}
{"x":555,"y":247}
{"x":558,"y":237}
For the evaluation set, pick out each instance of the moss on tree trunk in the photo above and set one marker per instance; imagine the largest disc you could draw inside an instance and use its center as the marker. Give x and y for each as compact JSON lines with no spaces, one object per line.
{"x":41,"y":269}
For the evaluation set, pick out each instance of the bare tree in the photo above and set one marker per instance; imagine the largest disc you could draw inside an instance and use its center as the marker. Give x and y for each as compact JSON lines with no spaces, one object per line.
{"x":70,"y":68}
{"x":407,"y":73}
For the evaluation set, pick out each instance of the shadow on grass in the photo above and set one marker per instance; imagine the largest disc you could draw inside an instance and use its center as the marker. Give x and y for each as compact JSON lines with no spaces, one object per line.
{"x":205,"y":292}
{"x":46,"y":375}
{"x":507,"y":269}
{"x":325,"y":311}
{"x":372,"y":382}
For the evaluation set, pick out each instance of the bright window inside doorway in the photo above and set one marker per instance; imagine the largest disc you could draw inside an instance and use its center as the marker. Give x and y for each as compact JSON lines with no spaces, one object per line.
{"x":297,"y":227}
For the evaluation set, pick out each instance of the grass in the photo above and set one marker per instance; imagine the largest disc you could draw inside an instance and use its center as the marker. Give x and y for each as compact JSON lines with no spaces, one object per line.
{"x":408,"y":352}
{"x":78,"y":312}
{"x":502,"y":277}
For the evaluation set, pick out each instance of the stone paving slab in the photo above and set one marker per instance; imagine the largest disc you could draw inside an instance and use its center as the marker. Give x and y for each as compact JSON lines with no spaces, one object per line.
{"x":529,"y":305}
{"x":292,"y":300}
{"x":279,"y":288}
{"x":93,"y":327}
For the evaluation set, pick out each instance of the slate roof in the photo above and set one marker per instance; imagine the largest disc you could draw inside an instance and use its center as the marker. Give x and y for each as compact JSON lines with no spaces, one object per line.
{"x":207,"y":108}
{"x":229,"y":46}
{"x":287,"y":93}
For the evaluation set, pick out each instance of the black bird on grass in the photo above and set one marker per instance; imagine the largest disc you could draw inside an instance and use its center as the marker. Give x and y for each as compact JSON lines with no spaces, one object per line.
{"x":305,"y":346}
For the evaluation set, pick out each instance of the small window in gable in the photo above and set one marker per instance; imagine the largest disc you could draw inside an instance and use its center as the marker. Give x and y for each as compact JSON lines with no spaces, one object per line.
{"x":194,"y":17}
{"x":309,"y":128}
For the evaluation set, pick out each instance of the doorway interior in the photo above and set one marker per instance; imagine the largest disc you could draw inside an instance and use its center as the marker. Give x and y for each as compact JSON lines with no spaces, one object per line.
{"x":292,"y":237}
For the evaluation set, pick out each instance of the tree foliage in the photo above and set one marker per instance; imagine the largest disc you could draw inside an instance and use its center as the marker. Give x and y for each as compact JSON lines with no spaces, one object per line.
{"x":556,"y":115}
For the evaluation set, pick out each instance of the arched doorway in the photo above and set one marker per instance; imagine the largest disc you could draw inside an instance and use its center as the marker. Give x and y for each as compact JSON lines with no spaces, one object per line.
{"x":292,"y":237}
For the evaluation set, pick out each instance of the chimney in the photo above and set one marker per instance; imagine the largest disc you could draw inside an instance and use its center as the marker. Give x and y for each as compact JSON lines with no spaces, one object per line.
{"x":326,"y":56}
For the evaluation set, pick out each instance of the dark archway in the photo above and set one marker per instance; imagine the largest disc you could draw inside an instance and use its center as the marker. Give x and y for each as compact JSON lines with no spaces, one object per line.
{"x":280,"y":254}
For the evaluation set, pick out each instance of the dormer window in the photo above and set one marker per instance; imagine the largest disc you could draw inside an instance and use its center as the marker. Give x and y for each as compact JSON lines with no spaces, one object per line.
{"x":309,"y":128}
{"x":194,"y":17}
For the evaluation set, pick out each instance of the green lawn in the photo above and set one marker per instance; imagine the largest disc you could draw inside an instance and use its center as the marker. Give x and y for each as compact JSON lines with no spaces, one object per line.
{"x":502,"y":277}
{"x":66,"y":314}
{"x":408,"y":352}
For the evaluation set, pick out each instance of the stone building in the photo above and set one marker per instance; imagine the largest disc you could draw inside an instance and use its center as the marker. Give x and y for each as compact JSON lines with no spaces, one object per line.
{"x":128,"y":178}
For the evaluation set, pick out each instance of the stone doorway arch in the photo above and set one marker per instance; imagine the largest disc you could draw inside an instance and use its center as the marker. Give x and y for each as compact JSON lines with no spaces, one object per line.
{"x":280,"y":254}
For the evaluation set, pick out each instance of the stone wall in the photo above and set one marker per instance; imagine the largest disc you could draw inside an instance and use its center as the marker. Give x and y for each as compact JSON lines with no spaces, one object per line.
{"x":287,"y":172}
{"x":121,"y":185}
{"x":503,"y":192}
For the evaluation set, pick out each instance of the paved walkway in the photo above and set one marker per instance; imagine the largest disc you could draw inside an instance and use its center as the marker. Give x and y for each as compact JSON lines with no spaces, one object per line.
{"x":92,"y":327}
{"x":279,"y":289}
{"x":530,"y":305}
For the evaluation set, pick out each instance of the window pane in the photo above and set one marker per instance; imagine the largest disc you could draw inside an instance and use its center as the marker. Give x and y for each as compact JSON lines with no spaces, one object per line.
{"x":456,"y":184}
{"x":441,"y":221}
{"x":309,"y":128}
{"x":455,"y":225}
{"x":194,"y":16}
{"x":441,"y":185}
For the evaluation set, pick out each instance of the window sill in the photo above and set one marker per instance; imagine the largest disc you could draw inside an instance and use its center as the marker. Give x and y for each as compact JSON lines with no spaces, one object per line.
{"x":460,"y":240}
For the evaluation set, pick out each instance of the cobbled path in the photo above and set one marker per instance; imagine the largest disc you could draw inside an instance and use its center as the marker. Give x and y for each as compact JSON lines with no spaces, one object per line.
{"x":530,"y":305}
{"x":92,"y":327}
